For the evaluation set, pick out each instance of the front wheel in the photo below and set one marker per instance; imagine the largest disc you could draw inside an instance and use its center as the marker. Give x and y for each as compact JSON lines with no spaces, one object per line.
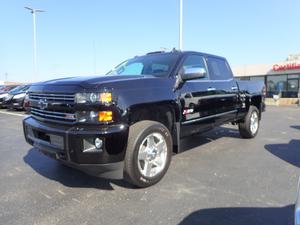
{"x":249,"y":128}
{"x":148,"y":153}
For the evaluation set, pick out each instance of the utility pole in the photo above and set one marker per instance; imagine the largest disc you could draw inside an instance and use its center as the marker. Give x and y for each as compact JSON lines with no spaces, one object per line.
{"x":180,"y":25}
{"x":33,"y":12}
{"x":94,"y":57}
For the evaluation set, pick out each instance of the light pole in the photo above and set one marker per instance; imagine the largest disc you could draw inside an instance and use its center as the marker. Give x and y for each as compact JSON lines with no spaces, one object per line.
{"x":33,"y":12}
{"x":180,"y":25}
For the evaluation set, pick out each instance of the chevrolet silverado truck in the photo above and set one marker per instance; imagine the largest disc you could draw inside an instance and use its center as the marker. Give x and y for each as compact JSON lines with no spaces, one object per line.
{"x":129,"y":122}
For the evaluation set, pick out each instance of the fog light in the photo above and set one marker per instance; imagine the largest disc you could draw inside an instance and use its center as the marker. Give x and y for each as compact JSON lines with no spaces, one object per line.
{"x":105,"y":116}
{"x":98,"y":143}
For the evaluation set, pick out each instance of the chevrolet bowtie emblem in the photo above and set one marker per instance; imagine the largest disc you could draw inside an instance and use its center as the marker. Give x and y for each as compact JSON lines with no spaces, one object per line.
{"x":43,"y":104}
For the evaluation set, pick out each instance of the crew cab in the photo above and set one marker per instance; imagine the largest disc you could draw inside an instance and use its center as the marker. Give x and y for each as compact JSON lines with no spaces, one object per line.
{"x":127,"y":123}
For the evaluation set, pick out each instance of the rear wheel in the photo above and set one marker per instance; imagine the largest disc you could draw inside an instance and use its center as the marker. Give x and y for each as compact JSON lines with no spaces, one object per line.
{"x":148,"y":153}
{"x":249,"y":128}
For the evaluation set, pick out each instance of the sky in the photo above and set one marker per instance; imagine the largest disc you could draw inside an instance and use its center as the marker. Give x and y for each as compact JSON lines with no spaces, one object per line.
{"x":83,"y":38}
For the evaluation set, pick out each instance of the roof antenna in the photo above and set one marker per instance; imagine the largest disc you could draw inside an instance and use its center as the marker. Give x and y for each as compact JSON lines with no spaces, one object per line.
{"x":164,"y":49}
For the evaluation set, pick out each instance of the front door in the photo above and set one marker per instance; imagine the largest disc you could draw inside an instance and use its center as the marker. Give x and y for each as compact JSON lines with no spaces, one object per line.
{"x":197,"y":99}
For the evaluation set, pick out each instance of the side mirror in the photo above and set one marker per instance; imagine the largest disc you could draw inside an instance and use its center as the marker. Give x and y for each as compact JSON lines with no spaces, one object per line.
{"x":193,"y":73}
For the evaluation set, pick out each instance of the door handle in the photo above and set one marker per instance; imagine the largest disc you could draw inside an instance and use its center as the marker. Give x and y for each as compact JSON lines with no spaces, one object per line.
{"x":234,"y":88}
{"x":211,"y":89}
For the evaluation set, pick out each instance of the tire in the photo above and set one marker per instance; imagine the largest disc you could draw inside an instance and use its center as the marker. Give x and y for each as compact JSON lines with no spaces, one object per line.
{"x":246,"y":131}
{"x":139,"y":158}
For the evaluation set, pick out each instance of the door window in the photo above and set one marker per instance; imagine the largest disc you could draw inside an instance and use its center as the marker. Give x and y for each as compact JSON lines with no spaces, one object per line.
{"x":219,"y":69}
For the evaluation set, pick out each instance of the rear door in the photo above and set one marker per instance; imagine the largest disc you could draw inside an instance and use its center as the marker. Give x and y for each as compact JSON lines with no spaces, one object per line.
{"x":225,"y":87}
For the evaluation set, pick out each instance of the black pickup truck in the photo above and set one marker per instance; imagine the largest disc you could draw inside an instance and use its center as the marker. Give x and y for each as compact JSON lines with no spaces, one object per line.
{"x":128,"y":123}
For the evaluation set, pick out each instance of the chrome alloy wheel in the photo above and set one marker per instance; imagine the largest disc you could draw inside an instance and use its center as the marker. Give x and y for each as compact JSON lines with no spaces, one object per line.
{"x":254,"y":122}
{"x":152,"y":155}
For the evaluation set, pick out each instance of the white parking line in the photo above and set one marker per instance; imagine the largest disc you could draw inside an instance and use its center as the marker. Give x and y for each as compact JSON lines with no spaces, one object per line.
{"x":12,"y":114}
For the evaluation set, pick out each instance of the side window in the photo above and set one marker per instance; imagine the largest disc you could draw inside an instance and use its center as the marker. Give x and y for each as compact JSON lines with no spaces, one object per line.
{"x":219,"y":69}
{"x":194,"y":61}
{"x":159,"y":68}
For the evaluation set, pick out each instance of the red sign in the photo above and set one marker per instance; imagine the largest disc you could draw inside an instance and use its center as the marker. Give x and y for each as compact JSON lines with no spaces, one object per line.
{"x":290,"y":66}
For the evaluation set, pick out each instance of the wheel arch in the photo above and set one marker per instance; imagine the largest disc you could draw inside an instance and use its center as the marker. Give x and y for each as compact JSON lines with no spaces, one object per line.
{"x":256,"y":100}
{"x":166,"y":112}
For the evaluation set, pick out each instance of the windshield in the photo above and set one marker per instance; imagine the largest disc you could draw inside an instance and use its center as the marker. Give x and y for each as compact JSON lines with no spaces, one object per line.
{"x":19,"y":89}
{"x":159,"y":65}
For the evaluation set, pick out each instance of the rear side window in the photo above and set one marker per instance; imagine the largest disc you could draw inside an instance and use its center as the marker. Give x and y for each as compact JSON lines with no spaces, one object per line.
{"x":218,"y":69}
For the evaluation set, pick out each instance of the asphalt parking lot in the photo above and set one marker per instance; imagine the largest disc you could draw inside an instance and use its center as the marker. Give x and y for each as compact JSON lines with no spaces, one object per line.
{"x":220,"y":179}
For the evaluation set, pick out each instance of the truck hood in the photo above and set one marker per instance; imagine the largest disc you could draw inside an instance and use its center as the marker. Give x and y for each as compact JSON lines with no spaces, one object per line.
{"x":87,"y":82}
{"x":96,"y":83}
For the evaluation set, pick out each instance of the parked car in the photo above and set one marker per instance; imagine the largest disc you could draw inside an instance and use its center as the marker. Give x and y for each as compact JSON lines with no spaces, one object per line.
{"x":126,"y":124}
{"x":15,"y":98}
{"x":7,"y":88}
{"x":4,"y":94}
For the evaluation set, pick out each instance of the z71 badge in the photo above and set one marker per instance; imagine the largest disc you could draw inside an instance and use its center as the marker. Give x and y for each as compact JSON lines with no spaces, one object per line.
{"x":187,"y":111}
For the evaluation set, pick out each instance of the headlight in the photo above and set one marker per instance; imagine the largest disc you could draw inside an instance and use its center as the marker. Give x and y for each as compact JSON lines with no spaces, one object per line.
{"x":3,"y":95}
{"x":105,"y":97}
{"x":7,"y":97}
{"x":19,"y":96}
{"x":94,"y":117}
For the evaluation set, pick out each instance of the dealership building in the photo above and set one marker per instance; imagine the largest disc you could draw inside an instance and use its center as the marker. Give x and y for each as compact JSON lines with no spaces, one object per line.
{"x":281,"y":79}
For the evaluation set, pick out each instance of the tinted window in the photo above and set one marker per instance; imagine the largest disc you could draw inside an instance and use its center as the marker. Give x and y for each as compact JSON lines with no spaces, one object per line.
{"x":194,"y":61}
{"x":159,"y":68}
{"x":218,"y":69}
{"x":277,"y":84}
{"x":286,"y":86}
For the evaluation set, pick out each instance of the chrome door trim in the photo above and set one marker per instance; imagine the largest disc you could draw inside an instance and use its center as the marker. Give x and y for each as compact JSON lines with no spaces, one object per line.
{"x":208,"y":117}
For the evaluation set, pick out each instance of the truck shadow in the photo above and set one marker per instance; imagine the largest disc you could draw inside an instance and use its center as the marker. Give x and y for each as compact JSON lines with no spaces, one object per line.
{"x":288,"y":152}
{"x":241,"y":216}
{"x":65,"y":175}
{"x":296,"y":127}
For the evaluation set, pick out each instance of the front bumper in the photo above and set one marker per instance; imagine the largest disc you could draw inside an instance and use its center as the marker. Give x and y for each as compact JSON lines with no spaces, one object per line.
{"x":14,"y":103}
{"x":17,"y":103}
{"x":72,"y":145}
{"x":2,"y":103}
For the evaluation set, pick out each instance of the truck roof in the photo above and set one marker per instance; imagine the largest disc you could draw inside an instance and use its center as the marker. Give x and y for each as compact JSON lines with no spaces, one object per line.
{"x":175,"y":51}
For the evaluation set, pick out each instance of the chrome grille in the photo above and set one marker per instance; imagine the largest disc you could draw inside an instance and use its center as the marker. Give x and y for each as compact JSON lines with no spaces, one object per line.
{"x":67,"y":98}
{"x":50,"y":115}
